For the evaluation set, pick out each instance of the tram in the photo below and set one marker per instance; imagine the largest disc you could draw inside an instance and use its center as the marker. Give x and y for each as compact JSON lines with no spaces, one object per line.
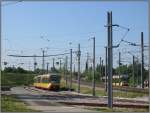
{"x":49,"y":81}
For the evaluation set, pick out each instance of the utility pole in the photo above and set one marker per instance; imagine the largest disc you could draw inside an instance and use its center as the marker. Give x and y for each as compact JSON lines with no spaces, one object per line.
{"x":93,"y":66}
{"x":79,"y":54}
{"x":74,"y":69}
{"x":137,"y":66}
{"x":53,"y":63}
{"x":100,"y":71}
{"x":70,"y":69}
{"x":0,"y":38}
{"x":66,"y":70}
{"x":133,"y":72}
{"x":119,"y":67}
{"x":106,"y":69}
{"x":110,"y":60}
{"x":142,"y":61}
{"x":34,"y":58}
{"x":47,"y":67}
{"x":60,"y":64}
{"x":43,"y":61}
{"x":87,"y":60}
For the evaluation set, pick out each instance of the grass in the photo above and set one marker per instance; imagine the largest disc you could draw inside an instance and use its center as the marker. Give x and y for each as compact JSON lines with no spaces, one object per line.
{"x":101,"y":92}
{"x":12,"y":104}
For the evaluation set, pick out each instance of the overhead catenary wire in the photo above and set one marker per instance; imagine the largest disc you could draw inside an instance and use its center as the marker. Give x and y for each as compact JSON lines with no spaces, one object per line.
{"x":40,"y":56}
{"x":12,"y":3}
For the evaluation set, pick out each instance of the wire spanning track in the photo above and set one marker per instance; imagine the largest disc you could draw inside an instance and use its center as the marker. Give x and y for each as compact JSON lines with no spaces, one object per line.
{"x":39,"y":56}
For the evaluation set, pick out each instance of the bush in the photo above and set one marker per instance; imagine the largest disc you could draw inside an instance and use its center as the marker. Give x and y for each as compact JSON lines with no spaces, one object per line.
{"x":15,"y":79}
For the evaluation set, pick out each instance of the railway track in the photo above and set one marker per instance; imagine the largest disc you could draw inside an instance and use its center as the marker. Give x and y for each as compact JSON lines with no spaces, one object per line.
{"x":73,"y":98}
{"x":122,"y":88}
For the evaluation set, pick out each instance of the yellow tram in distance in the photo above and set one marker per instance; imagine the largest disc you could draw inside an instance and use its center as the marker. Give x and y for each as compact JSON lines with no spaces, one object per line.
{"x":49,"y":81}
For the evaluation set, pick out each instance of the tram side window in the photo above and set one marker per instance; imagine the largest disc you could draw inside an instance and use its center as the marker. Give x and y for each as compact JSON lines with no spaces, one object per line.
{"x":35,"y":80}
{"x":55,"y":78}
{"x":45,"y":80}
{"x":38,"y":80}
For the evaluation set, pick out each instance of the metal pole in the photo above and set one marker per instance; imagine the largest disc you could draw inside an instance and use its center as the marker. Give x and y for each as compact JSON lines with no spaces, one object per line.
{"x":100,"y":71}
{"x":47,"y":66}
{"x":106,"y":70}
{"x":133,"y":73}
{"x":110,"y":60}
{"x":74,"y":72}
{"x":142,"y":61}
{"x":43,"y":64}
{"x":60,"y":64}
{"x":149,"y":51}
{"x":66,"y":71}
{"x":87,"y":60}
{"x":93,"y":66}
{"x":79,"y":54}
{"x":70,"y":69}
{"x":53,"y":63}
{"x":74,"y":69}
{"x":34,"y":62}
{"x":0,"y":40}
{"x":119,"y":67}
{"x":137,"y":72}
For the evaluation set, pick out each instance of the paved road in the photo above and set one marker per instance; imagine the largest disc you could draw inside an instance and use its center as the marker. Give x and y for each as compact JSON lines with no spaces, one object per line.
{"x":40,"y":101}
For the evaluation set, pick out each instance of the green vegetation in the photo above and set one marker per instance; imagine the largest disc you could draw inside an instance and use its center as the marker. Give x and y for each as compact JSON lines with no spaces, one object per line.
{"x":101,"y":91}
{"x":12,"y":104}
{"x":86,"y":75}
{"x":15,"y":79}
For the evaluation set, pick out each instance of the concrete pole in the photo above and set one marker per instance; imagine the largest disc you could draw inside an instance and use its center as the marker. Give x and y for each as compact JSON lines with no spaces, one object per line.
{"x":79,"y":54}
{"x":60,"y":64}
{"x":142,"y":61}
{"x":43,"y":62}
{"x":149,"y":50}
{"x":119,"y":67}
{"x":66,"y":71}
{"x":87,"y":60}
{"x":47,"y":67}
{"x":53,"y":63}
{"x":0,"y":39}
{"x":106,"y":69}
{"x":70,"y":69}
{"x":137,"y":72}
{"x":93,"y":66}
{"x":133,"y":72}
{"x":110,"y":60}
{"x":34,"y":58}
{"x":74,"y":70}
{"x":100,"y":71}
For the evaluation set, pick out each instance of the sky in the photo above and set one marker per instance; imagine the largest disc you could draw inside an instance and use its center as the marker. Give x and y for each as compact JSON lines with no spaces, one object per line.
{"x":59,"y":23}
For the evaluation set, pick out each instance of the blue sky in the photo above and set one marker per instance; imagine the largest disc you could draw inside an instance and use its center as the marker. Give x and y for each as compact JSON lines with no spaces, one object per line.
{"x":62,"y":22}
